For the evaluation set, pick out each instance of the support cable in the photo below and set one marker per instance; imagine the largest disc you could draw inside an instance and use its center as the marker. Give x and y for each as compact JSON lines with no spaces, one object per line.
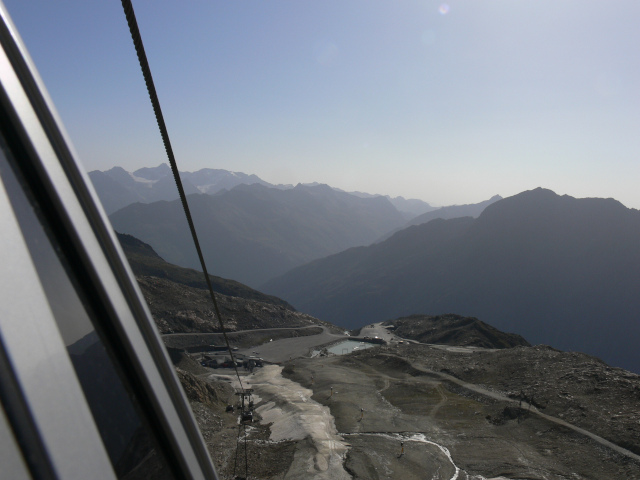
{"x":235,"y":463}
{"x":146,"y":72}
{"x":246,"y":458}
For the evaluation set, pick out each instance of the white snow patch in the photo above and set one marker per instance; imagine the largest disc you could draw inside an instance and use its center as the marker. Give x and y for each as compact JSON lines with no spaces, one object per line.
{"x":207,"y":187}
{"x":293,"y":415}
{"x":141,"y":180}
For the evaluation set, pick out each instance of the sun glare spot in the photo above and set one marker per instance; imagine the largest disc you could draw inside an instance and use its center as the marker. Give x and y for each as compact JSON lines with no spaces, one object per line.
{"x":444,"y":9}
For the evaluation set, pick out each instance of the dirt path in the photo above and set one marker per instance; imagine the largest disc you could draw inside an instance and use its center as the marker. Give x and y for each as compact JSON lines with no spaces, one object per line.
{"x":531,"y":409}
{"x":437,"y":406}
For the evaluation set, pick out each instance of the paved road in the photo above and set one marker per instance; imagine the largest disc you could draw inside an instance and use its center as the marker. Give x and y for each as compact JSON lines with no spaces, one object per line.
{"x":233,"y":332}
{"x":282,"y":350}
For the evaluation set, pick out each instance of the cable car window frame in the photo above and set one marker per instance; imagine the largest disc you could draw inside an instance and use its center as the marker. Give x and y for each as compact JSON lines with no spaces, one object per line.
{"x":51,"y":164}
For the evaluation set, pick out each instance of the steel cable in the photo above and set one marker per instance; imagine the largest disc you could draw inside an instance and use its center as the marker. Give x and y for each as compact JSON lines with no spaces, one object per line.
{"x":246,"y":457}
{"x":146,"y":72}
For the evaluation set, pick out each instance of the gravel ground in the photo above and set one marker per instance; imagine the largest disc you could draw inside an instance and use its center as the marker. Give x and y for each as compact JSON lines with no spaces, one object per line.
{"x":485,"y":438}
{"x":445,"y":430}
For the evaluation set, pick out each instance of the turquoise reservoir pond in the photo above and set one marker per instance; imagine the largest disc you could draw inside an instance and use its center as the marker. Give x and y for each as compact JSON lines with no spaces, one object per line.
{"x":348,"y":346}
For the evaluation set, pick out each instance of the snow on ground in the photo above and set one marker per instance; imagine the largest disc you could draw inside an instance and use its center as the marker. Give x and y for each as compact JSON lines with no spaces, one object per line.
{"x":295,"y":416}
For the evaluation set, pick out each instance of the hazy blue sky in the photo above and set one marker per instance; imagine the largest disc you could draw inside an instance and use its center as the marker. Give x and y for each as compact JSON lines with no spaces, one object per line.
{"x":449,"y":102}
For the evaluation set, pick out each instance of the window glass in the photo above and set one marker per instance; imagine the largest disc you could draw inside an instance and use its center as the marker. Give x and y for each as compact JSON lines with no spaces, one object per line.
{"x":125,"y":432}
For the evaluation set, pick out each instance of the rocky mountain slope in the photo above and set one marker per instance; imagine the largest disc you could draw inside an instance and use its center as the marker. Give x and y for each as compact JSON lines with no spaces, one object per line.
{"x":572,"y":386}
{"x":252,"y":233}
{"x":177,"y":308}
{"x":451,"y":329}
{"x":145,"y":262}
{"x":557,"y":270}
{"x":445,"y":411}
{"x":180,"y":302}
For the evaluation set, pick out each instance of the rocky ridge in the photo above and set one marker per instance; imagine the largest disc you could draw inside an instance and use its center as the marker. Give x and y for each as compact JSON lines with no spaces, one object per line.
{"x":180,"y":303}
{"x":178,"y":308}
{"x":451,"y":329}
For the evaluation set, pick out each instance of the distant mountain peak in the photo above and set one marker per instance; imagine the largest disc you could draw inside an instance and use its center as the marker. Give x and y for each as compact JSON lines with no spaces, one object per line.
{"x":115,"y":170}
{"x":153,"y":173}
{"x":448,"y":213}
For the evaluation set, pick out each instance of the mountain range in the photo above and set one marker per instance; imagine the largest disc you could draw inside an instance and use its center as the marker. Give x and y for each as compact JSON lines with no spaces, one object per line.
{"x":118,"y":188}
{"x":253,"y":233}
{"x":557,"y":270}
{"x":465,"y":379}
